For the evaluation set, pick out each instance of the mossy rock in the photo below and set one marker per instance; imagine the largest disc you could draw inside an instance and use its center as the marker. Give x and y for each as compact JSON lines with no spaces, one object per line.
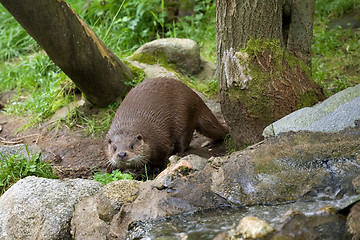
{"x":180,"y":54}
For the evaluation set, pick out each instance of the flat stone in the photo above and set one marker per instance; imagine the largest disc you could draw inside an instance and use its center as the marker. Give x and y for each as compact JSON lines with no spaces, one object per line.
{"x":336,"y":113}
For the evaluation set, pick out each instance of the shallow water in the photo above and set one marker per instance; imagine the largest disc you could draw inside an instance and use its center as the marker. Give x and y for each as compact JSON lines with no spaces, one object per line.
{"x":207,"y":224}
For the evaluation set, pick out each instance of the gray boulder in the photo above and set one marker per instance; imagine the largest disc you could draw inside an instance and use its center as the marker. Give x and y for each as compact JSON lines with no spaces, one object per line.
{"x":184,"y":54}
{"x":93,"y":215}
{"x":40,"y":208}
{"x":338,"y":112}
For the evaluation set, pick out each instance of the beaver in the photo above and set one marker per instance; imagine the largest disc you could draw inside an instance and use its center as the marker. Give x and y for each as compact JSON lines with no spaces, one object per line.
{"x":156,"y":119}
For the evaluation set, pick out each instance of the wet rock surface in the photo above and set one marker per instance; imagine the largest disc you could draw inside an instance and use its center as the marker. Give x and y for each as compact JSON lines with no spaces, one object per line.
{"x":291,"y":167}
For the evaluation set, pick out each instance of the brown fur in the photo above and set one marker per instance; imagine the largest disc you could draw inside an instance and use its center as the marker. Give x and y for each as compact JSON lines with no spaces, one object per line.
{"x":156,"y":119}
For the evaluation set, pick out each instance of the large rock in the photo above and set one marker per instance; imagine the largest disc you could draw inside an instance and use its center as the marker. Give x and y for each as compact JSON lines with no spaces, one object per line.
{"x":93,"y":215}
{"x":39,"y":208}
{"x":353,"y":221}
{"x":184,"y":54}
{"x":291,"y":167}
{"x":338,"y":112}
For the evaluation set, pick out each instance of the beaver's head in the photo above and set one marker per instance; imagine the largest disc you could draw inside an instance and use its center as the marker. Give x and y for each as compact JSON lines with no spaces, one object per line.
{"x":127,"y":151}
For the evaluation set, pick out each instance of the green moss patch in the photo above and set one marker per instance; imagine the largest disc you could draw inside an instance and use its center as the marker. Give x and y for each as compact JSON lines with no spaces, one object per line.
{"x":271,"y":68}
{"x":153,"y":58}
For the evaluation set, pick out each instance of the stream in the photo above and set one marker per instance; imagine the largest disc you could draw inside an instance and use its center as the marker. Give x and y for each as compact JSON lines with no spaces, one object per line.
{"x":207,"y":224}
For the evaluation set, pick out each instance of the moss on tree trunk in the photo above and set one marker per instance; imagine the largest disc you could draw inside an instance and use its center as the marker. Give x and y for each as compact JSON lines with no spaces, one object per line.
{"x":263,"y":63}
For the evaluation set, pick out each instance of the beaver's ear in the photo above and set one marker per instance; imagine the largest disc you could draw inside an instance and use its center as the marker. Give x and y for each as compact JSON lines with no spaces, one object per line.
{"x":139,"y":137}
{"x":109,"y":140}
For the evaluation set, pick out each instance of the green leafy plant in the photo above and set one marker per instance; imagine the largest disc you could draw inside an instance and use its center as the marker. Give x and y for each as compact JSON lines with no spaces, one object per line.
{"x":14,"y":167}
{"x":106,"y":178}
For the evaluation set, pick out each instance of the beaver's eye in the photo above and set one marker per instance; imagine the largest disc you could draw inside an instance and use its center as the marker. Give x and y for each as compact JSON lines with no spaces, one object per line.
{"x":131,"y":146}
{"x":115,"y":148}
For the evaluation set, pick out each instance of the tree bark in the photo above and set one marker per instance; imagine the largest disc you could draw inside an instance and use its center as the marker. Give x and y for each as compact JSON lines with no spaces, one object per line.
{"x":264,"y":61}
{"x":74,"y":47}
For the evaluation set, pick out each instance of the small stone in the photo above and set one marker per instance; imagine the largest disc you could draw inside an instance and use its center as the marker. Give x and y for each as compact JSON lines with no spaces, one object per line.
{"x":164,"y":179}
{"x":253,"y":227}
{"x":327,"y":210}
{"x":222,"y":236}
{"x":205,"y":144}
{"x":173,"y":159}
{"x":115,"y":194}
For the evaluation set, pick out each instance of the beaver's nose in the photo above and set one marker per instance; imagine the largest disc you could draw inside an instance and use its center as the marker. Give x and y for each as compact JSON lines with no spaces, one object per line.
{"x":122,"y":155}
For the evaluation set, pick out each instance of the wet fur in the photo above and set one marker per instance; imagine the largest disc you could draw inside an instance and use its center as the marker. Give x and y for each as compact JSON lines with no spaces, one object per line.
{"x":164,"y":112}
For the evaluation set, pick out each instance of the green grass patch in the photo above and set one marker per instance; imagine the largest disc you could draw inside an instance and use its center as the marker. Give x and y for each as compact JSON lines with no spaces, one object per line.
{"x":106,"y":178}
{"x":39,"y":88}
{"x":94,"y":122}
{"x":336,"y":58}
{"x":14,"y":167}
{"x":14,"y":41}
{"x":328,"y":9}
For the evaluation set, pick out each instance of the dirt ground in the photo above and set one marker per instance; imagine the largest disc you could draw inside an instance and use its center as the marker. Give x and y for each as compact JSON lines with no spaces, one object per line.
{"x":73,"y":154}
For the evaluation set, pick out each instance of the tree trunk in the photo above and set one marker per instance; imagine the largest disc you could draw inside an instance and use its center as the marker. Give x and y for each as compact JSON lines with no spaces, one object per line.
{"x":74,"y":47}
{"x":264,"y":63}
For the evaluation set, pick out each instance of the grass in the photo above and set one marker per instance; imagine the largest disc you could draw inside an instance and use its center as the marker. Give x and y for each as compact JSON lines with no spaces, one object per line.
{"x":336,"y":58}
{"x":106,"y":178}
{"x":39,"y":87}
{"x":14,"y":41}
{"x":14,"y":167}
{"x":96,"y":123}
{"x":126,"y":25}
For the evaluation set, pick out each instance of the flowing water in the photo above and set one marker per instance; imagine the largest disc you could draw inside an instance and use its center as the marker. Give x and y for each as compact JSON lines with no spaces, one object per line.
{"x":207,"y":224}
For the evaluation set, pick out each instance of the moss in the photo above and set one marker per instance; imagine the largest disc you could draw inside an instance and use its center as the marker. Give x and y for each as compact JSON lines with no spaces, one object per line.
{"x":294,"y":62}
{"x":154,"y":58}
{"x":230,"y":144}
{"x":138,"y":74}
{"x":257,"y":104}
{"x":307,"y":99}
{"x":254,"y":98}
{"x":208,"y":88}
{"x":254,"y":47}
{"x":267,"y":61}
